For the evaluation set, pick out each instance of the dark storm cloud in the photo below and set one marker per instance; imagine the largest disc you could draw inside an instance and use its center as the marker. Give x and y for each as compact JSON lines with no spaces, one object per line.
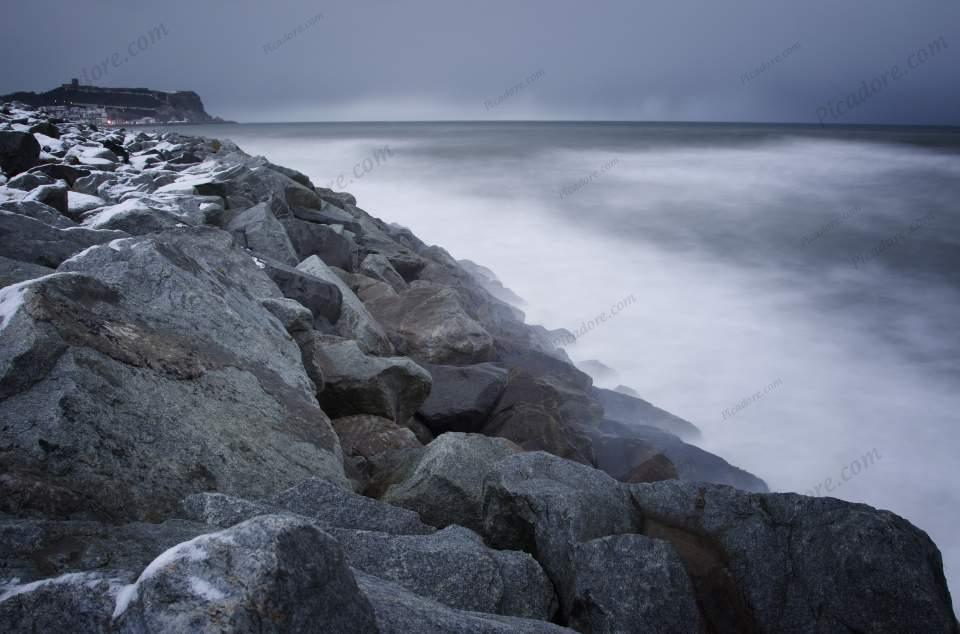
{"x":664,"y":59}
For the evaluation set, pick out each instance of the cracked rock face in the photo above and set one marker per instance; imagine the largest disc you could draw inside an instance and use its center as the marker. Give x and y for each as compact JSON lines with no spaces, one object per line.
{"x":147,"y":372}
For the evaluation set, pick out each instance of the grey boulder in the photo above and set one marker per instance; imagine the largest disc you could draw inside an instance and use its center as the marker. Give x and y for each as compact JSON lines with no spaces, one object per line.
{"x":455,"y":568}
{"x":631,"y":584}
{"x":269,"y":574}
{"x":29,"y":240}
{"x":462,"y":397}
{"x":19,"y":151}
{"x":260,"y":231}
{"x":359,"y":383}
{"x":445,"y":483}
{"x":355,"y":321}
{"x":428,"y":323}
{"x":547,"y":506}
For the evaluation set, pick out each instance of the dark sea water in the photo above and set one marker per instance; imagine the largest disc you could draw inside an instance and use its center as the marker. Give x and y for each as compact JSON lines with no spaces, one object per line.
{"x":814,"y":273}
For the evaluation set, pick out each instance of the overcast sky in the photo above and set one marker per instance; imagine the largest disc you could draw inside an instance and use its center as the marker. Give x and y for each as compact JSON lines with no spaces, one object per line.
{"x":448,"y":59}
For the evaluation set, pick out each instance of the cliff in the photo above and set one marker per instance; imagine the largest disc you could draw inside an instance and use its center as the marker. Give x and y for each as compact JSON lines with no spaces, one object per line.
{"x":119,"y":105}
{"x":233,"y":401}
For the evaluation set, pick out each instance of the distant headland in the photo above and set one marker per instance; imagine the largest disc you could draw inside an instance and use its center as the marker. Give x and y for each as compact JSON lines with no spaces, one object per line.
{"x":113,"y":106}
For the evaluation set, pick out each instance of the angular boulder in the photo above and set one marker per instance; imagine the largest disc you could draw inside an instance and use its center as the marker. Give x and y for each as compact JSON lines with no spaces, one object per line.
{"x":789,"y":563}
{"x":19,"y":151}
{"x":445,"y":484}
{"x":269,"y":574}
{"x":455,"y":568}
{"x":368,"y":436}
{"x":260,"y":231}
{"x":28,"y":240}
{"x":631,"y":584}
{"x":546,"y":505}
{"x":146,"y":371}
{"x":358,"y":383}
{"x":355,"y":321}
{"x":323,"y":298}
{"x":428,"y":323}
{"x":462,"y":397}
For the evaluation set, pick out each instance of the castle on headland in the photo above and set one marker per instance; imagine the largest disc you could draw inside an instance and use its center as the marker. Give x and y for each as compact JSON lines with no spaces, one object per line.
{"x":112,"y":106}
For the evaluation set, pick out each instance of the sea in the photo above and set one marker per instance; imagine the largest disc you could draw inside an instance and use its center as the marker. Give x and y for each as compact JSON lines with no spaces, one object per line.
{"x":792,"y":290}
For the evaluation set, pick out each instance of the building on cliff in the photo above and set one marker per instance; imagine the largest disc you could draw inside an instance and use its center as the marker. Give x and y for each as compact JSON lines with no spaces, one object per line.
{"x":97,"y":104}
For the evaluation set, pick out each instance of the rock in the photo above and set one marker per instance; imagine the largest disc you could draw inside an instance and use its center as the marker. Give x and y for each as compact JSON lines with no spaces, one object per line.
{"x":788,"y":563}
{"x":61,"y":171}
{"x":19,"y":151}
{"x":488,"y":280}
{"x":355,"y":321}
{"x":27,"y":180}
{"x":368,"y":436}
{"x":367,"y":288}
{"x":630,"y":410}
{"x":632,"y":584}
{"x":598,"y":370}
{"x":51,"y":195}
{"x":46,"y":129}
{"x":36,"y":549}
{"x":340,"y":199}
{"x":15,"y":271}
{"x":269,"y":574}
{"x":328,"y":215}
{"x":292,"y":174}
{"x":654,"y":469}
{"x":401,"y":612}
{"x":544,"y":414}
{"x":389,"y":468}
{"x":223,"y":511}
{"x":159,"y":377}
{"x":357,"y":383}
{"x":133,"y":216}
{"x":428,"y":323}
{"x":331,"y":246}
{"x":546,"y":505}
{"x":462,"y":397}
{"x":38,"y":211}
{"x":79,"y":204}
{"x":322,"y":298}
{"x":330,"y":505}
{"x":455,"y":568}
{"x":379,"y":268}
{"x":445,"y":484}
{"x":622,"y":449}
{"x":259,"y":230}
{"x":74,"y":602}
{"x":28,"y":240}
{"x":295,"y":317}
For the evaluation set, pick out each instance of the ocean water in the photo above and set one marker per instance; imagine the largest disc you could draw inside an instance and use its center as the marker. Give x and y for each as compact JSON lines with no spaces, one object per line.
{"x":792,"y":290}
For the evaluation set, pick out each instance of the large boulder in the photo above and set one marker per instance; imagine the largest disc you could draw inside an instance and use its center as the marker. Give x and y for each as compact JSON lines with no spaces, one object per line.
{"x":323,"y":298}
{"x":72,"y":602}
{"x":399,"y":611}
{"x":327,"y":242}
{"x":35,"y":549}
{"x":148,"y":370}
{"x":319,"y":500}
{"x":15,"y":271}
{"x":331,"y":505}
{"x":260,"y":231}
{"x":19,"y":151}
{"x":29,"y":240}
{"x":38,"y":211}
{"x":53,"y":195}
{"x":378,"y":267}
{"x":547,"y":506}
{"x":631,"y":584}
{"x":269,"y":574}
{"x":445,"y":483}
{"x":544,"y":413}
{"x":630,"y":410}
{"x":462,"y":397}
{"x":428,"y":323}
{"x":789,"y":563}
{"x":359,"y":383}
{"x":455,"y":568}
{"x":355,"y":321}
{"x":624,"y":450}
{"x":368,"y":436}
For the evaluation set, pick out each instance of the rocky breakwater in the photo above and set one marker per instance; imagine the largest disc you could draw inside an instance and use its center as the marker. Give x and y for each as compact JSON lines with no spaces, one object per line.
{"x":233,"y":401}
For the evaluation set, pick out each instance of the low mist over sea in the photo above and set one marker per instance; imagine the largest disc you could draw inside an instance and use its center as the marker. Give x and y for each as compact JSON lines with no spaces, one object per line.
{"x":796,"y":290}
